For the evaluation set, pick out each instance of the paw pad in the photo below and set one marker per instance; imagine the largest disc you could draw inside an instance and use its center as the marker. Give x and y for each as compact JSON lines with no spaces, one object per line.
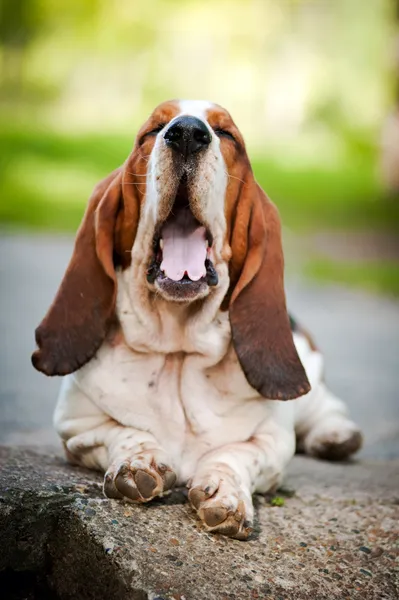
{"x":225,"y":510}
{"x":138,"y":482}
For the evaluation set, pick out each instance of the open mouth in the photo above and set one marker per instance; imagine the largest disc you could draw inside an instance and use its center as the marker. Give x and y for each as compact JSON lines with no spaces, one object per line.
{"x":181,"y":263}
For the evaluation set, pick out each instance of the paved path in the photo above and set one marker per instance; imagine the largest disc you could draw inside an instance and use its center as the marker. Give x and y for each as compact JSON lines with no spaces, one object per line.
{"x":358,"y":333}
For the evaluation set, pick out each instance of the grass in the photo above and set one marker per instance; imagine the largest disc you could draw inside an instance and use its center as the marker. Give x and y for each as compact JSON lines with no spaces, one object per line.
{"x":347,"y":196}
{"x":380,"y":277}
{"x":46,"y":178}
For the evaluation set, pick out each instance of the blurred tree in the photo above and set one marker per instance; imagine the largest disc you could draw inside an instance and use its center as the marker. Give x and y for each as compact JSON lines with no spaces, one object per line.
{"x":397,"y":52}
{"x":20,"y":22}
{"x":389,"y":151}
{"x":297,"y":65}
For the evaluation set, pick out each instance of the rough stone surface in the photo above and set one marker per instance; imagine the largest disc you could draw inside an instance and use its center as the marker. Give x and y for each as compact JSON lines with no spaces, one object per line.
{"x":335,"y":537}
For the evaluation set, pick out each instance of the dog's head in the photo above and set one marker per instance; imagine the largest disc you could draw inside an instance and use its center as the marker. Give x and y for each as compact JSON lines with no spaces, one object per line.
{"x":187,"y":214}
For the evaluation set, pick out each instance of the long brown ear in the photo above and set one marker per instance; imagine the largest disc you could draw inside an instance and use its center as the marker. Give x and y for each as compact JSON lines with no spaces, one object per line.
{"x":78,"y":319}
{"x":260,"y":325}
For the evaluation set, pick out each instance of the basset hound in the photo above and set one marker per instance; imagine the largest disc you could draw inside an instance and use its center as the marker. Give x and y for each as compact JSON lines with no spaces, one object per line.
{"x":171,"y":329}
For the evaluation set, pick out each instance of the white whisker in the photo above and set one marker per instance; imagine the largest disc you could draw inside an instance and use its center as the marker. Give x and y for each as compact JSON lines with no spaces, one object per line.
{"x":233,"y":177}
{"x":136,"y":184}
{"x":137,"y":174}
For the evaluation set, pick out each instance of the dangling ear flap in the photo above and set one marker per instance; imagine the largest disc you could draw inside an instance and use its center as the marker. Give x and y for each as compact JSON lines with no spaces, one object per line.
{"x":260,"y":326}
{"x":78,"y":320}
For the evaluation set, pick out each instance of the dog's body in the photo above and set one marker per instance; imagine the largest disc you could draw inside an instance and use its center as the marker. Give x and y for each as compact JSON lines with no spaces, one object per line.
{"x":171,"y":364}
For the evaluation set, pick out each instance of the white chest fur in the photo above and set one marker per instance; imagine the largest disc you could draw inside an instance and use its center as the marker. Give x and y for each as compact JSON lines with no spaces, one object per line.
{"x":174,"y":374}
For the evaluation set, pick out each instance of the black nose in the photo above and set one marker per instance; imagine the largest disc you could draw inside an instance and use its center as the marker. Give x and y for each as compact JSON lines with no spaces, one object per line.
{"x":188,"y":135}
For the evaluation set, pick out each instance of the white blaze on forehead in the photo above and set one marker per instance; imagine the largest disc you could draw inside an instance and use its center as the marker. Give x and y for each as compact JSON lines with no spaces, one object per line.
{"x":195,"y":108}
{"x":184,"y":241}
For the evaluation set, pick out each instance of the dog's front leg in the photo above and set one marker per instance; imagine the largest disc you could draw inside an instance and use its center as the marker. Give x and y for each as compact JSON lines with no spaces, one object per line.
{"x":138,"y":469}
{"x":225,"y":479}
{"x":135,"y":464}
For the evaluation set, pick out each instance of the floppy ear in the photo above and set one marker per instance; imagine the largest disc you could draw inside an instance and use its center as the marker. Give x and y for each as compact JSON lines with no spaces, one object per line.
{"x":79,"y":317}
{"x":260,"y":325}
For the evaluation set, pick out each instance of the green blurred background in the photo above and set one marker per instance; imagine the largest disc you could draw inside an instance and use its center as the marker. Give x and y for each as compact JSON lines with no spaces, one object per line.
{"x":311,"y":84}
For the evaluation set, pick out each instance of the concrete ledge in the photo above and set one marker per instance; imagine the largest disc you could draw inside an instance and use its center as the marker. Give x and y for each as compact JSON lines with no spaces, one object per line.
{"x":335,"y":537}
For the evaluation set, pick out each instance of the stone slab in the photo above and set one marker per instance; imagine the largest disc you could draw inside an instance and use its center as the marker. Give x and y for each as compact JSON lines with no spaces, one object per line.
{"x":335,"y":537}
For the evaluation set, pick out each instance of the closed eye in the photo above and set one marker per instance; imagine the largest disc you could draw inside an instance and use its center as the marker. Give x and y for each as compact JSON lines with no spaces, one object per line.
{"x":224,"y":133}
{"x":156,"y":129}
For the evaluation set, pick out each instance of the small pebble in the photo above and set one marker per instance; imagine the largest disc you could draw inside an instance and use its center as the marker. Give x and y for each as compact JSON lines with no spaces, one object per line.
{"x":377,"y":552}
{"x":56,"y":488}
{"x":174,"y":542}
{"x":303,"y":544}
{"x":108,"y":546}
{"x":365,"y":549}
{"x":366,"y":572}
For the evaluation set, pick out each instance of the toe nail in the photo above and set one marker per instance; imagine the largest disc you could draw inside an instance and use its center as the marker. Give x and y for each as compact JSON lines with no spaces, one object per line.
{"x":240,"y":512}
{"x":243,"y":534}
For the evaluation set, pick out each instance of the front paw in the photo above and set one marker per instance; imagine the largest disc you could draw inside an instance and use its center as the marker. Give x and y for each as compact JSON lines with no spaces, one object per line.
{"x":222,"y":505}
{"x":138,"y":479}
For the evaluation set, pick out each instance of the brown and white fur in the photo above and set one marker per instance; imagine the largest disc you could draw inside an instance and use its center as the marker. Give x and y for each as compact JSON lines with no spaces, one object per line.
{"x":168,"y":384}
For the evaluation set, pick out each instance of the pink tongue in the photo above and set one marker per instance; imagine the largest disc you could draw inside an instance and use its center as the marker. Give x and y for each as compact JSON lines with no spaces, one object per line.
{"x":183,"y":252}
